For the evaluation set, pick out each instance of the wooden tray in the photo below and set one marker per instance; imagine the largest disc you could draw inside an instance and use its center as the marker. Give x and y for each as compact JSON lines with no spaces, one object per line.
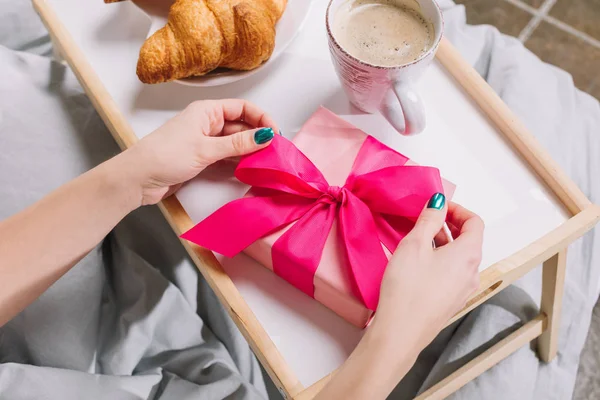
{"x":471,"y":136}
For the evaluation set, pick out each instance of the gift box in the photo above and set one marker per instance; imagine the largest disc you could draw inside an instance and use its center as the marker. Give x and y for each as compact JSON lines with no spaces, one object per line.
{"x":325,"y":212}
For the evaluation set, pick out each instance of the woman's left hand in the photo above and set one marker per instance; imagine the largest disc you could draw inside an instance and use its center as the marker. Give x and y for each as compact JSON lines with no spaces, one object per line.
{"x":203,"y":133}
{"x":64,"y":226}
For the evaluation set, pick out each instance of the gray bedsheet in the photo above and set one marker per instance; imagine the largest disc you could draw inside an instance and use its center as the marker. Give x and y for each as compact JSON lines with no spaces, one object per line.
{"x":133,"y":320}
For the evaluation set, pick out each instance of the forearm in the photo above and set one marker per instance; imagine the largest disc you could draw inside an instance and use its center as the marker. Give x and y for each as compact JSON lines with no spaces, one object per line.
{"x":40,"y":244}
{"x":377,"y":364}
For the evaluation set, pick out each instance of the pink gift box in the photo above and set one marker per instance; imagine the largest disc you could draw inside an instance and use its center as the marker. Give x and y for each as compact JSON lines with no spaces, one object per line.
{"x":332,"y":144}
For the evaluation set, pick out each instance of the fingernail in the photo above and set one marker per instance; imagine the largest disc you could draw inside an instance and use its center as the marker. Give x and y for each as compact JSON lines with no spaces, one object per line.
{"x":263,"y":135}
{"x":437,"y":201}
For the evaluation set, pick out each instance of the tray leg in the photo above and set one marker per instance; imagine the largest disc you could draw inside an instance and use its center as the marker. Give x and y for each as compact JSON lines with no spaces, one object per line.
{"x":553,"y":279}
{"x":56,"y":51}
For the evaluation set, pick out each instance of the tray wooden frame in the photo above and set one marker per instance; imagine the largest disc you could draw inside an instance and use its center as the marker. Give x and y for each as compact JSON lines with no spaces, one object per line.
{"x":549,"y":250}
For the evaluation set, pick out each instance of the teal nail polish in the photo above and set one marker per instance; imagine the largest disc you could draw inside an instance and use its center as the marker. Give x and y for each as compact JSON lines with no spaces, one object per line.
{"x":437,"y":201}
{"x":263,"y":135}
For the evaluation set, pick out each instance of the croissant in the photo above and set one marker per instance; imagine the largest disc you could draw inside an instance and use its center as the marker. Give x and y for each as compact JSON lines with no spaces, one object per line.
{"x":202,"y":35}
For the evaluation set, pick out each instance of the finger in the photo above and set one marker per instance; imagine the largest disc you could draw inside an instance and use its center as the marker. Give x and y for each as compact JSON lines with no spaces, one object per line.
{"x":432,"y":218}
{"x":249,"y":113}
{"x":239,"y":144}
{"x":234,"y":127}
{"x":232,"y":160}
{"x":458,"y":215}
{"x":469,"y":225}
{"x":441,"y":238}
{"x":465,"y":250}
{"x":468,"y":245}
{"x":172,"y":190}
{"x":453,"y":229}
{"x":231,"y":127}
{"x":471,"y":232}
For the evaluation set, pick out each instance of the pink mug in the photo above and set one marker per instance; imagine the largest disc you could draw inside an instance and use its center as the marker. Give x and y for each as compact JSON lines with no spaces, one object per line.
{"x":388,"y":90}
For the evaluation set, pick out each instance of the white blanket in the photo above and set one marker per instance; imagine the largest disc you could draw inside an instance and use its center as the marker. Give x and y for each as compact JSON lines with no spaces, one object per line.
{"x":133,"y":320}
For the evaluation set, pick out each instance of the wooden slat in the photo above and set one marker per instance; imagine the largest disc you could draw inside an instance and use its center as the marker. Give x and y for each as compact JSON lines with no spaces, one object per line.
{"x":314,"y":389}
{"x":208,"y":265}
{"x":513,"y":129}
{"x":553,"y":281}
{"x":486,"y":360}
{"x":469,"y":371}
{"x":505,"y":272}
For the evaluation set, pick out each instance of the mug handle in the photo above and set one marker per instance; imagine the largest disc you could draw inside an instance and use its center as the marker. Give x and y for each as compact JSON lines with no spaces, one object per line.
{"x":403,"y":108}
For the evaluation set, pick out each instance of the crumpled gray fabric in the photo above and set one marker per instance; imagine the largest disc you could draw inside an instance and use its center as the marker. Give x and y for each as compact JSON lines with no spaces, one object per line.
{"x":21,"y":29}
{"x":133,"y":320}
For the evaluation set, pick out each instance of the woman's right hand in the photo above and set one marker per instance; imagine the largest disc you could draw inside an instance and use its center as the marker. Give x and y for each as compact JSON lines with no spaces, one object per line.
{"x":424,"y":287}
{"x":421,"y":290}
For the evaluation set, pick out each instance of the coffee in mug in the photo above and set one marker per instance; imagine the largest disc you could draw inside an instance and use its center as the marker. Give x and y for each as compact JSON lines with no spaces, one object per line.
{"x":382,"y":32}
{"x":379,"y":49}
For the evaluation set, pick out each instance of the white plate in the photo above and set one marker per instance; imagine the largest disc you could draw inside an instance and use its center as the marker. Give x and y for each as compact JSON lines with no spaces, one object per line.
{"x":286,"y":30}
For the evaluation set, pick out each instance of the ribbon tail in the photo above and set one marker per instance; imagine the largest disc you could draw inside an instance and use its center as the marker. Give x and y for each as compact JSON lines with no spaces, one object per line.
{"x":392,"y":229}
{"x":365,"y":254}
{"x":297,"y":253}
{"x":237,"y":224}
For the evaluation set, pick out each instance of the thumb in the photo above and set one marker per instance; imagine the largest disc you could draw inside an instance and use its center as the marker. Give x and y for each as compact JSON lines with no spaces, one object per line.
{"x":432,"y":218}
{"x":240,"y":143}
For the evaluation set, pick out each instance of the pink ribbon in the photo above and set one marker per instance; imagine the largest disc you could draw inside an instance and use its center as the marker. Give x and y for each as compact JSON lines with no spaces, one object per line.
{"x":377,"y":205}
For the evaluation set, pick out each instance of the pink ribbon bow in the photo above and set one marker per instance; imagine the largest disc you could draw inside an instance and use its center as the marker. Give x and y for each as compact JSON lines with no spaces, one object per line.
{"x":377,"y":205}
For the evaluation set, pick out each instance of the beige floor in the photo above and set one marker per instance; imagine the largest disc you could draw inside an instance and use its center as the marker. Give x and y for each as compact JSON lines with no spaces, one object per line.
{"x":565,"y":33}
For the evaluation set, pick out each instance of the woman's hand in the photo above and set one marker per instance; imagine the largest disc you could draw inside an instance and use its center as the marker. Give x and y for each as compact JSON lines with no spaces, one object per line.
{"x":203,"y":133}
{"x":424,"y":287}
{"x":421,"y":290}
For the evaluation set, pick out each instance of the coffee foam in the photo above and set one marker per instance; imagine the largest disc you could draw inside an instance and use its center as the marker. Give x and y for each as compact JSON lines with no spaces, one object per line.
{"x":382,"y":32}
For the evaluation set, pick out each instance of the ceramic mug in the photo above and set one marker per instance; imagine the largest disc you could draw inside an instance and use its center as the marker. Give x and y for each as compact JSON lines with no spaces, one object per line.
{"x":388,"y":90}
